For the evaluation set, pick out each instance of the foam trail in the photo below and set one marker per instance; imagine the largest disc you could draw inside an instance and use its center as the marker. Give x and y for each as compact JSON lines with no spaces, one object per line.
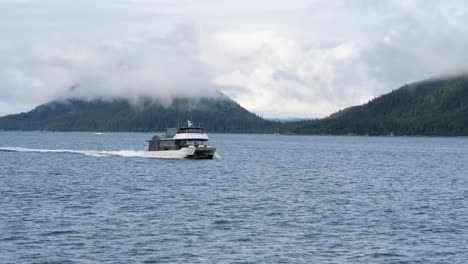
{"x":97,"y":153}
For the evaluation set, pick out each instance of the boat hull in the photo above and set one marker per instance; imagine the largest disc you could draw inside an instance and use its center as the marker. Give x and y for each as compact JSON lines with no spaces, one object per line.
{"x":187,"y":153}
{"x":202,"y":153}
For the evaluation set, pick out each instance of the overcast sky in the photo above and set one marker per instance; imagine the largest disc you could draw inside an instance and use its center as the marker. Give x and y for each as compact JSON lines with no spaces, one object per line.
{"x":277,"y":58}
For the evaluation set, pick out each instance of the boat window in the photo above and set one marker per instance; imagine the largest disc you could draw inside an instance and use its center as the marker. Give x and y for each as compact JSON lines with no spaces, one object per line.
{"x":194,"y":143}
{"x":191,"y":130}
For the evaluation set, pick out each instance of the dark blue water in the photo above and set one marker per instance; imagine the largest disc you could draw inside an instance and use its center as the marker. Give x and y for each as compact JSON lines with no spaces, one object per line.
{"x":266,"y":199}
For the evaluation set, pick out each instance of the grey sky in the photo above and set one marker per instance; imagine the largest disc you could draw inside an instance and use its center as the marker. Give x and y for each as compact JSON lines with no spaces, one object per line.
{"x":276,"y":58}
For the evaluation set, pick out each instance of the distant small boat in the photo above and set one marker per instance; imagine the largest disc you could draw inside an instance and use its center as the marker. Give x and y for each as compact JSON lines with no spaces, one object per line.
{"x":188,"y":142}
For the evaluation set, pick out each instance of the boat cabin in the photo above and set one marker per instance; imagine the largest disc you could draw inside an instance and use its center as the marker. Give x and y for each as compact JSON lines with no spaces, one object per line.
{"x":177,"y":138}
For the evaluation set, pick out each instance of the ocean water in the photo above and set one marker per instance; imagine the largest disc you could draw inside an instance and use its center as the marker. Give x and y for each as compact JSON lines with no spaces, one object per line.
{"x":96,"y":198}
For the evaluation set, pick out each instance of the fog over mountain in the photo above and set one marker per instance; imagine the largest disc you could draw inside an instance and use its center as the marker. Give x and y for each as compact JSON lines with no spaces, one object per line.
{"x":301,"y":59}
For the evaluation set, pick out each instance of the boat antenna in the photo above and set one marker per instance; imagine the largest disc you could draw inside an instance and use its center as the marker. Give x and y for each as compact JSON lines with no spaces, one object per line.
{"x":190,"y":111}
{"x":178,"y":119}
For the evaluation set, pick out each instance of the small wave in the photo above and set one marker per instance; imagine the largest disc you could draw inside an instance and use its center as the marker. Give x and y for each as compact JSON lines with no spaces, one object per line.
{"x":58,"y":233}
{"x":221,"y":222}
{"x":12,"y":238}
{"x":97,"y":153}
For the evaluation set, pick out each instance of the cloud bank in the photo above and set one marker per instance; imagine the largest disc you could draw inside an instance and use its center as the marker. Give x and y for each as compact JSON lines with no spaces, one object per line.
{"x":277,"y":58}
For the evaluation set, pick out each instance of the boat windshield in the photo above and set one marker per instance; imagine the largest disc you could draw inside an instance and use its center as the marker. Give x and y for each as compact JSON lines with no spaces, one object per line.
{"x":191,"y":130}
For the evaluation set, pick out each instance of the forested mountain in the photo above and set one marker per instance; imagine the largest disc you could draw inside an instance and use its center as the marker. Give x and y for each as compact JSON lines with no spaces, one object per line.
{"x":219,"y":114}
{"x":436,"y":107}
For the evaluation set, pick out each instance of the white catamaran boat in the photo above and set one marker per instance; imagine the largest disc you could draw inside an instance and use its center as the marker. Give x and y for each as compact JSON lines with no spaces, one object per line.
{"x":186,"y":142}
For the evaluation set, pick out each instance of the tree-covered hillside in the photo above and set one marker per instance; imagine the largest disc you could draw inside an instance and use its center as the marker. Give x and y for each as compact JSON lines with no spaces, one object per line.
{"x":215,"y":114}
{"x":437,"y":107}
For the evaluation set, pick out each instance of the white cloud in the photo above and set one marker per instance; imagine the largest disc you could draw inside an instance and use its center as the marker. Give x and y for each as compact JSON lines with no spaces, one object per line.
{"x":304,"y":58}
{"x":289,"y":84}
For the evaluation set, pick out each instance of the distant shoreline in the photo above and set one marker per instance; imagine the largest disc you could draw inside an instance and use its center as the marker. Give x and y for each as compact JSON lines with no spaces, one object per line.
{"x":240,"y":133}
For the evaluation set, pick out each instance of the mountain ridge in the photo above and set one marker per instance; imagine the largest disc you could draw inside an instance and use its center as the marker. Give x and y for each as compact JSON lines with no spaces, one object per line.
{"x":434,"y":107}
{"x":216,"y":114}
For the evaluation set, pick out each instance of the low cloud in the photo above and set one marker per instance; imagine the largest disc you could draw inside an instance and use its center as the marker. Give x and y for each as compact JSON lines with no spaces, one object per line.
{"x":158,"y":66}
{"x":279,"y":59}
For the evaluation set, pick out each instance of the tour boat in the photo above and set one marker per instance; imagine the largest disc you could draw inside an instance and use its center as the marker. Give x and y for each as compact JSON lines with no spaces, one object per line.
{"x":186,"y":142}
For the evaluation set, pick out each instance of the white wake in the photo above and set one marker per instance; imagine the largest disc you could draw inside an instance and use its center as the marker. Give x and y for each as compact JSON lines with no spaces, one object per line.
{"x":100,"y":153}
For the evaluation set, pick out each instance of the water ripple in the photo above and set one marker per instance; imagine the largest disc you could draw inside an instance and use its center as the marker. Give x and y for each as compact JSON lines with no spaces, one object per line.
{"x":269,"y":199}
